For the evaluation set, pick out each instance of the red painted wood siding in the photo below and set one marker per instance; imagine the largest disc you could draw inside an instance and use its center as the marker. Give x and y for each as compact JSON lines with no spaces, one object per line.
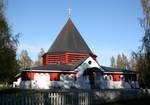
{"x":27,"y":75}
{"x":65,"y":58}
{"x":54,"y":76}
{"x":116,"y":77}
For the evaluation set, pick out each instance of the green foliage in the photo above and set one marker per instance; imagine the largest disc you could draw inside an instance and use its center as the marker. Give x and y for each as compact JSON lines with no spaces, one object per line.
{"x":143,"y":67}
{"x":8,"y":46}
{"x":25,"y":61}
{"x":121,"y":62}
{"x":113,"y":62}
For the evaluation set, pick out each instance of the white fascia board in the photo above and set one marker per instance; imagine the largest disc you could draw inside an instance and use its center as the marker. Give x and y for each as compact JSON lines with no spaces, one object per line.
{"x":47,"y":71}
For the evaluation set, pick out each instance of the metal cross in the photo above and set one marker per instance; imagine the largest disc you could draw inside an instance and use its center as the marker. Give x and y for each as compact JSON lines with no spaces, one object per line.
{"x":69,"y":12}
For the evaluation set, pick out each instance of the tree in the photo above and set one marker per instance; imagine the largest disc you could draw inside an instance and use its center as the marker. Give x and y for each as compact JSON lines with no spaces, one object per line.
{"x":121,"y":62}
{"x":125,"y":62}
{"x":39,"y":62}
{"x":142,"y":57}
{"x":8,"y":46}
{"x":113,"y":62}
{"x":132,"y":63}
{"x":146,"y":26}
{"x":25,"y":61}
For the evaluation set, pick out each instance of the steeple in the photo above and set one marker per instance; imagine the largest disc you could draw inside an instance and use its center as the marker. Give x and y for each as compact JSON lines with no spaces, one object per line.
{"x":69,"y":40}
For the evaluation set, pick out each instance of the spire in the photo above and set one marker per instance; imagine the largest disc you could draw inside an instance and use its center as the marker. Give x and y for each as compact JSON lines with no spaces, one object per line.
{"x":69,"y":40}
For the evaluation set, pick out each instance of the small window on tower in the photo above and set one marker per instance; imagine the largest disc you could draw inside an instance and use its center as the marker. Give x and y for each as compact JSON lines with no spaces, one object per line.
{"x":89,"y":62}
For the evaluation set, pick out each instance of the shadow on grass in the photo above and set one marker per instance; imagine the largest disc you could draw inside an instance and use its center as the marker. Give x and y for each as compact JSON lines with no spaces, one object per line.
{"x":141,"y":101}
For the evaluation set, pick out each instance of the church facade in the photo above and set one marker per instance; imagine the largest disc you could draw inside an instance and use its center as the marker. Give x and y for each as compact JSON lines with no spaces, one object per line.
{"x":69,"y":63}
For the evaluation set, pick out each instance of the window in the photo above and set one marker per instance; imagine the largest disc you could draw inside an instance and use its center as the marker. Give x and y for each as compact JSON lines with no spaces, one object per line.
{"x":110,"y":77}
{"x":89,"y":62}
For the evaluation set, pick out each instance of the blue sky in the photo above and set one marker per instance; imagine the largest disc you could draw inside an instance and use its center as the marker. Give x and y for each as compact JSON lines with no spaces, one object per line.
{"x":109,"y":27}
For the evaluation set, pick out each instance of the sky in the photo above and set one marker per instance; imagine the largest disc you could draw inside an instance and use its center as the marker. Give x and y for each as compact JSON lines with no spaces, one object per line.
{"x":109,"y":27}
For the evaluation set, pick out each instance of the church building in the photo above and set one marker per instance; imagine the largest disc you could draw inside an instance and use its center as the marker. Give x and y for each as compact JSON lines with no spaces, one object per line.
{"x":70,"y":63}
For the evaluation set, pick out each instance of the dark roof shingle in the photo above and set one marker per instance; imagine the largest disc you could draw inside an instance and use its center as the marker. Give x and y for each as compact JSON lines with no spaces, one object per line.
{"x":69,"y":40}
{"x":59,"y":67}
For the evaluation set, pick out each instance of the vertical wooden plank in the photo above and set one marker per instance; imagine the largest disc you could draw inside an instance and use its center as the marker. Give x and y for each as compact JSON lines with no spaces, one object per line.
{"x":50,"y":98}
{"x":85,"y":98}
{"x":54,"y":98}
{"x":62,"y":98}
{"x":79,"y":98}
{"x":57,"y":98}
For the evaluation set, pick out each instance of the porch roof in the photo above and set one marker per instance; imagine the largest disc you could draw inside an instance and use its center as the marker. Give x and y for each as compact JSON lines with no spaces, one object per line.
{"x":117,"y":70}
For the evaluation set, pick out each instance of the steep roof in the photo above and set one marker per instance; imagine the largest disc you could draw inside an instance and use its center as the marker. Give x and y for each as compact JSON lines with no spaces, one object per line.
{"x":69,"y":40}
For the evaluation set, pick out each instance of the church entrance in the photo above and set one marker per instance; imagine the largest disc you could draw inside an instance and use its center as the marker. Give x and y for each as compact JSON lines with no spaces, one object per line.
{"x":94,"y":75}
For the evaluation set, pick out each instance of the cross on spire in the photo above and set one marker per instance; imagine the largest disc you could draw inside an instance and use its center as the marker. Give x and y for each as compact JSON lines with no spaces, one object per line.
{"x":69,"y":12}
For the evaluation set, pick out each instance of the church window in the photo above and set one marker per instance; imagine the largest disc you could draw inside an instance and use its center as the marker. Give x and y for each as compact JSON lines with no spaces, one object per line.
{"x":110,"y":77}
{"x":89,"y":62}
{"x":105,"y":77}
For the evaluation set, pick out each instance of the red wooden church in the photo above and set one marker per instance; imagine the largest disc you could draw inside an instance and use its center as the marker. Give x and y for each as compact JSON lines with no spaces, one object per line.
{"x":69,"y":63}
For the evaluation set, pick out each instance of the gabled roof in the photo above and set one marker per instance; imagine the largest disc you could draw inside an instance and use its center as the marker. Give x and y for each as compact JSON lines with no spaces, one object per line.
{"x":69,"y":40}
{"x":79,"y":62}
{"x":116,"y":70}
